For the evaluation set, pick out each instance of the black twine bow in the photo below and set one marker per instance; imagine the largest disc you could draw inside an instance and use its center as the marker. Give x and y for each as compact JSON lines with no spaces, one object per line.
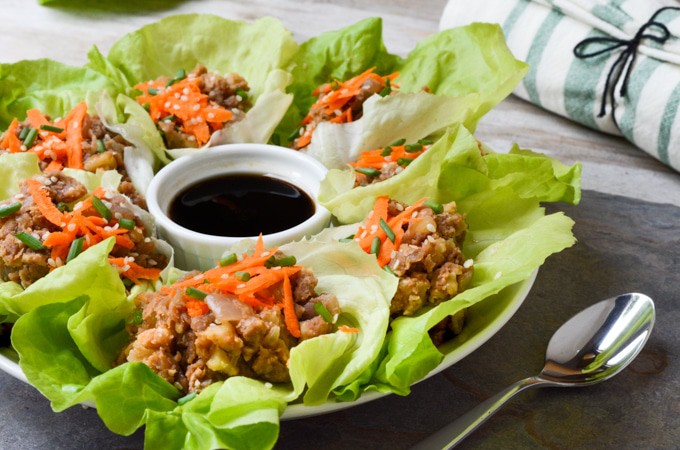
{"x":626,"y":59}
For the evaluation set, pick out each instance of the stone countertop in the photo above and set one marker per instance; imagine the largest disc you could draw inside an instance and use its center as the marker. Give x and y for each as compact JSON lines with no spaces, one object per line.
{"x":624,"y":245}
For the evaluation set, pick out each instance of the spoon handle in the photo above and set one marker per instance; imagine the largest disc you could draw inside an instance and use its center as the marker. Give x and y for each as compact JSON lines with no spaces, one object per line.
{"x":453,"y":433}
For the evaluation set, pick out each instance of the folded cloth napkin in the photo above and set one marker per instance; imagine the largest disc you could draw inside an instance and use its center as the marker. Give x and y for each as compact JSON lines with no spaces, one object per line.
{"x":624,"y":76}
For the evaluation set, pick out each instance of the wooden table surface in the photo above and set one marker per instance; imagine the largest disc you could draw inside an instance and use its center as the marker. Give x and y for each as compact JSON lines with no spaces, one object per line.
{"x":619,"y":180}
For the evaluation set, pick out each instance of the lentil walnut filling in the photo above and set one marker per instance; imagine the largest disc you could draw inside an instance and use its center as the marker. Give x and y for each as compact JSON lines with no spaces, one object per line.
{"x":209,"y":326}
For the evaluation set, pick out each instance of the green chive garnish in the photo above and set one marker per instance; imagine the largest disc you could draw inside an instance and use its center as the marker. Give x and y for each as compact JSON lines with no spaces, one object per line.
{"x":30,"y":138}
{"x":51,"y":128}
{"x":387,"y":151}
{"x":127,"y":224}
{"x":398,"y":142}
{"x":101,"y":148}
{"x":181,"y":73}
{"x":137,"y":318}
{"x":388,"y":231}
{"x":242,"y":93}
{"x":369,"y":172}
{"x":243,"y":276}
{"x":387,"y":89}
{"x":63,"y":207}
{"x":375,"y":245}
{"x":388,"y":270}
{"x":128,"y":283}
{"x":187,"y":398}
{"x":24,"y":132}
{"x":10,"y":209}
{"x":147,"y":106}
{"x":434,"y":206}
{"x":296,"y":133}
{"x":412,"y":148}
{"x":403,"y":162}
{"x":101,"y":208}
{"x":228,"y":260}
{"x":280,"y":262}
{"x":426,"y":142}
{"x":321,"y":310}
{"x":195,"y":293}
{"x":29,"y":240}
{"x":76,"y":249}
{"x":349,"y":238}
{"x":152,"y":91}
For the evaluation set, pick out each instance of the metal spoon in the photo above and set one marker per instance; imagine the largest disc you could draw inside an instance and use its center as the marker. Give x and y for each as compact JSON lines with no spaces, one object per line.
{"x":592,"y":346}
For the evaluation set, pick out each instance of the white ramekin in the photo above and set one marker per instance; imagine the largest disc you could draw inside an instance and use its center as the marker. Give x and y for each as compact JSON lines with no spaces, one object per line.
{"x":201,"y":251}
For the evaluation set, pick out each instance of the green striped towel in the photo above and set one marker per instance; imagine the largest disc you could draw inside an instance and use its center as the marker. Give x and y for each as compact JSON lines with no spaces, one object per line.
{"x":544,"y":34}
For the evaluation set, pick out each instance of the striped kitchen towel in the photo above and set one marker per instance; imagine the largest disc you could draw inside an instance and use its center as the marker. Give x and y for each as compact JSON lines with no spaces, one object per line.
{"x":626,"y":77}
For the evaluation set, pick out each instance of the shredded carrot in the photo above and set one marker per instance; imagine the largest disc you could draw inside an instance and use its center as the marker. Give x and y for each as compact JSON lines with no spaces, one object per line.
{"x":196,"y":308}
{"x":371,"y":230}
{"x":133,"y":271}
{"x":347,"y":329}
{"x":44,"y":202}
{"x":60,"y":147}
{"x":193,"y":111}
{"x":335,"y":101}
{"x":289,"y":309}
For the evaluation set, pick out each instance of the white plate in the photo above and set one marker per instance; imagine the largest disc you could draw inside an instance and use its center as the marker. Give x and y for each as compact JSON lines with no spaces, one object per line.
{"x":478,"y":329}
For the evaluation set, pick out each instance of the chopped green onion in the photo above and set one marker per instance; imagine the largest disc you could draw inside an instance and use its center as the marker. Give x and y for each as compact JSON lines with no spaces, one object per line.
{"x":387,"y":89}
{"x":128,"y":283}
{"x":181,"y":73}
{"x":147,"y":106}
{"x":434,"y":206}
{"x":349,"y":238}
{"x":137,"y":317}
{"x":31,"y":241}
{"x":375,"y":245}
{"x":242,"y":93}
{"x":101,"y":148}
{"x":63,"y":207}
{"x":10,"y":209}
{"x":388,"y":231}
{"x":76,"y":249}
{"x":30,"y":138}
{"x":152,"y":91}
{"x":127,"y":224}
{"x":51,"y":128}
{"x":195,"y":293}
{"x":228,"y":260}
{"x":101,"y":208}
{"x":403,"y":162}
{"x":243,"y":276}
{"x":426,"y":142}
{"x":398,"y":142}
{"x":388,"y":270}
{"x":369,"y":172}
{"x":280,"y":262}
{"x":387,"y":151}
{"x":412,"y":148}
{"x":186,"y":399}
{"x":321,"y":310}
{"x":24,"y":132}
{"x":296,"y":133}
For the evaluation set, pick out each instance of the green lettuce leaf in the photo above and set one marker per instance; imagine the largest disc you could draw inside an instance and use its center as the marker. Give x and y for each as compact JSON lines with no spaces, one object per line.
{"x":50,"y":86}
{"x":14,"y":168}
{"x":454,"y":168}
{"x":257,"y":51}
{"x":85,"y":335}
{"x":471,"y":62}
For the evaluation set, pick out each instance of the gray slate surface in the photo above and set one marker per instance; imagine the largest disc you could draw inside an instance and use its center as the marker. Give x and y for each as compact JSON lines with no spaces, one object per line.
{"x":624,"y":245}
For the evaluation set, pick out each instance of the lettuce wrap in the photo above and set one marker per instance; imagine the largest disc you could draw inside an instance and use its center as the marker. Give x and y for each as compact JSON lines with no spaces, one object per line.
{"x":467,"y":71}
{"x":257,"y":51}
{"x":87,"y":332}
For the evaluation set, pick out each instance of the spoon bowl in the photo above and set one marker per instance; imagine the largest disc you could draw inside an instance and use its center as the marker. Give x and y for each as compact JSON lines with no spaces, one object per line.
{"x":591,"y":347}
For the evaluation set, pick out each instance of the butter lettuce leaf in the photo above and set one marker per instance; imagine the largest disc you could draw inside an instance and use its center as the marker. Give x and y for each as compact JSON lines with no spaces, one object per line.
{"x":257,"y":51}
{"x":471,"y":62}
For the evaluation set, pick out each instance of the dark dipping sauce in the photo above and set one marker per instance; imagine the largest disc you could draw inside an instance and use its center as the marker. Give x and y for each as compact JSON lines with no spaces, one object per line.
{"x":241,"y":205}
